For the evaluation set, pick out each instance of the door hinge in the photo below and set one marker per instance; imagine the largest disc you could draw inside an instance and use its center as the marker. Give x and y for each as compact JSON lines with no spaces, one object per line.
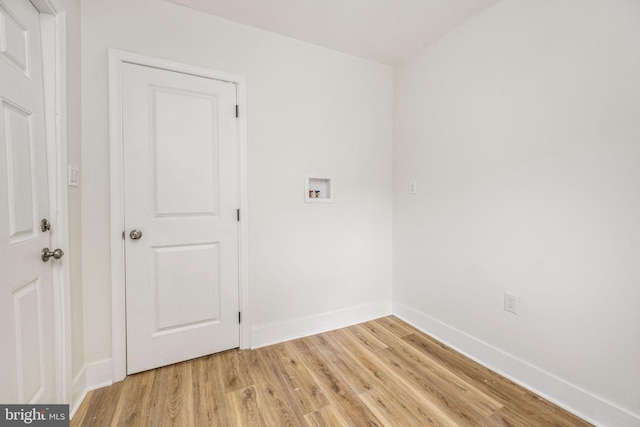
{"x":123,"y":235}
{"x":238,"y":214}
{"x":239,"y":317}
{"x":237,"y":111}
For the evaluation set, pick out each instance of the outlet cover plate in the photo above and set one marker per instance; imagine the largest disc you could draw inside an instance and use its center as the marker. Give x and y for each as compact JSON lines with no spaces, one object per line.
{"x":413,"y":187}
{"x":511,"y":302}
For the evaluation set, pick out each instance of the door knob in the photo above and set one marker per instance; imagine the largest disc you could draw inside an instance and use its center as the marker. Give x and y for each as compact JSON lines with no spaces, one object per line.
{"x":135,"y":234}
{"x":56,"y":254}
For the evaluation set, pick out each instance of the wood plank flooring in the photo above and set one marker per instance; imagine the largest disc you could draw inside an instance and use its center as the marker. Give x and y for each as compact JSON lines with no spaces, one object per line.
{"x":380,"y":373}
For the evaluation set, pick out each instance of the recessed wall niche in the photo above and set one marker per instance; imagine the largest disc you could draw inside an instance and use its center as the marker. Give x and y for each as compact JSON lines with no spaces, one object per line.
{"x":318,"y":189}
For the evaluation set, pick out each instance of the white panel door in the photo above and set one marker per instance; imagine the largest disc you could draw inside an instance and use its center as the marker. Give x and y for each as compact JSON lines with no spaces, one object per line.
{"x":181,"y":194}
{"x":26,"y":297}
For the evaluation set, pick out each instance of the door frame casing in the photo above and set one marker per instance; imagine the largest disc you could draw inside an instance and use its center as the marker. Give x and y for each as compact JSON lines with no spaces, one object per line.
{"x":53,"y":28}
{"x":118,"y":284}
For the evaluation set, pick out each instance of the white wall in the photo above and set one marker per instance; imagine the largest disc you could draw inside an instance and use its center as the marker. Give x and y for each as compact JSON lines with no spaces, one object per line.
{"x":310,"y":110}
{"x":522,"y":129}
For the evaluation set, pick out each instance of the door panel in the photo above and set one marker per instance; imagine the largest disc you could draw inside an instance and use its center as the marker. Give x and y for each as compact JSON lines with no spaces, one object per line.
{"x":181,"y":192}
{"x":29,"y":339}
{"x":21,"y":197}
{"x":26,"y":296}
{"x":176,"y":306}
{"x":14,"y":38}
{"x":183,"y":116}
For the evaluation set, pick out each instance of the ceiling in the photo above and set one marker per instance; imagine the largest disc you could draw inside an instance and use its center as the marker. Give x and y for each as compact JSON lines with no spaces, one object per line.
{"x":385,"y":31}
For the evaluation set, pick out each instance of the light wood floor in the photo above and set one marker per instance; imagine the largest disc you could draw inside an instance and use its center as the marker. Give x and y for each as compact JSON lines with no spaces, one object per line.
{"x":379,"y":373}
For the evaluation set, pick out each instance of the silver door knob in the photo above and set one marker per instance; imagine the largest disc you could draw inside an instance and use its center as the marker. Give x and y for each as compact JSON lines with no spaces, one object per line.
{"x":135,"y":234}
{"x":56,"y":254}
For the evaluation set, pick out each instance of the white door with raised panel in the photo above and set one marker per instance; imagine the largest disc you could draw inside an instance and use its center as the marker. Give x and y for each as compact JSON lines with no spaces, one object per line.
{"x":27,"y":352}
{"x":180,"y":202}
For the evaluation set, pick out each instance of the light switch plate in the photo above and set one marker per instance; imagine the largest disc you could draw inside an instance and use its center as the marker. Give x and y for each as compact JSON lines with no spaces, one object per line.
{"x":73,"y":176}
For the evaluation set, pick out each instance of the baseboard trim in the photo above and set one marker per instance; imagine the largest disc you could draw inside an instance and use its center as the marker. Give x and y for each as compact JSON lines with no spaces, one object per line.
{"x":79,"y":390}
{"x":575,"y":400}
{"x":280,"y":332}
{"x":92,"y":376}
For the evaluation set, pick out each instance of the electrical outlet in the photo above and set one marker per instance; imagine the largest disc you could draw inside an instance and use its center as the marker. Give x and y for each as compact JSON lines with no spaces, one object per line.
{"x":413,"y":187}
{"x":511,"y":302}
